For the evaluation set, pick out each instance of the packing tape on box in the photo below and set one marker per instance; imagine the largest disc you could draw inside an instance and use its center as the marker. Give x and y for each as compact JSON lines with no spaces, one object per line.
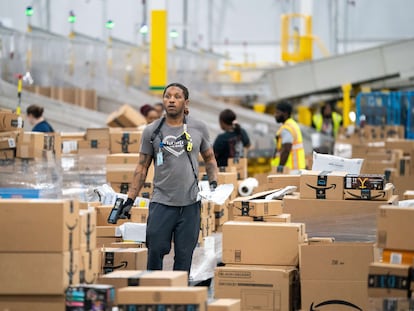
{"x":247,"y":186}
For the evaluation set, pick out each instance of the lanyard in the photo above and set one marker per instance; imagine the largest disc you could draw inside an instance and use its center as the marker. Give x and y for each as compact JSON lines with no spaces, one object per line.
{"x":185,"y":136}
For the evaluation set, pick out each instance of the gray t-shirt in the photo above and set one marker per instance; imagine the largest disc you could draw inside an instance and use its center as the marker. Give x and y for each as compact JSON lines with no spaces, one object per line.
{"x":174,"y":181}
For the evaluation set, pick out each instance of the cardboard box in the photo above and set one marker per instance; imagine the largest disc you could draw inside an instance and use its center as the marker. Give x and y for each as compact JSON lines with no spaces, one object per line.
{"x":389,"y":280}
{"x":257,"y":287}
{"x":332,"y":274}
{"x":364,"y":181}
{"x":341,"y":219}
{"x":120,"y":173}
{"x":398,"y":256}
{"x":66,"y":94}
{"x":89,"y":265}
{"x":221,"y":214}
{"x":224,"y":304}
{"x":87,"y":229}
{"x":33,"y":302}
{"x":127,"y":244}
{"x":123,"y":259}
{"x":228,"y":178}
{"x":367,"y":194}
{"x":70,"y":141}
{"x":107,"y":235}
{"x":123,"y":278}
{"x":240,"y":165}
{"x":38,"y":273}
{"x":279,"y":181}
{"x":10,"y":121}
{"x":406,"y":145}
{"x":182,"y":298}
{"x":257,"y":207}
{"x":395,"y":227}
{"x":39,"y":225}
{"x":101,"y":146}
{"x":86,"y":98}
{"x":402,"y":183}
{"x":53,"y":142}
{"x":107,"y":231}
{"x":125,"y":142}
{"x":278,"y":218}
{"x":122,"y":158}
{"x":322,"y":185}
{"x":102,"y":242}
{"x":207,"y":209}
{"x":243,"y":218}
{"x":7,"y":142}
{"x":262,"y":243}
{"x":30,"y":145}
{"x":7,"y":154}
{"x":125,"y":116}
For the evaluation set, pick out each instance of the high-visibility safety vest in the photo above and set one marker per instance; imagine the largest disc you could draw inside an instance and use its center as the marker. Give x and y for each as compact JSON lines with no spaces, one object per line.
{"x":336,"y":122}
{"x":296,"y":159}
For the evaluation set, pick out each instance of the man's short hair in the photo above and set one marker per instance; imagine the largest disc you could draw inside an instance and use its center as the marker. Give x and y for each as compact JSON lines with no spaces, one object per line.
{"x":284,"y":106}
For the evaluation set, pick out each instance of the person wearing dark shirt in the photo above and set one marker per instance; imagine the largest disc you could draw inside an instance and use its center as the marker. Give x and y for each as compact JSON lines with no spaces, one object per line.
{"x":232,"y":142}
{"x":36,"y":119}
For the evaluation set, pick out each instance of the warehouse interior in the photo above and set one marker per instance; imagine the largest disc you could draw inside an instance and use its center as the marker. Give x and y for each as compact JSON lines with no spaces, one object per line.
{"x":336,"y":235}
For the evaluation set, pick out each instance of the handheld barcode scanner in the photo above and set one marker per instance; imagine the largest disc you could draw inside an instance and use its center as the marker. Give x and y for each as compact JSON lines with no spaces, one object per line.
{"x":119,"y":211}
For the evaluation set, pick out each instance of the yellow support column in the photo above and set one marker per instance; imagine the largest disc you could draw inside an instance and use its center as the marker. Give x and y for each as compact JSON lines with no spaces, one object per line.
{"x":158,"y":47}
{"x":346,"y":91}
{"x":304,"y":115}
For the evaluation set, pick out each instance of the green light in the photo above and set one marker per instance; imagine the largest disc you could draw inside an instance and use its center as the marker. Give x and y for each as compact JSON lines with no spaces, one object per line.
{"x":109,"y":24}
{"x":29,"y":11}
{"x":143,"y":29}
{"x":72,"y":17}
{"x":174,"y":34}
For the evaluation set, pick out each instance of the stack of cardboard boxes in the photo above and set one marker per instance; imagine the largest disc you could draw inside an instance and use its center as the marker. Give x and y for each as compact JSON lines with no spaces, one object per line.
{"x":40,"y":252}
{"x":385,"y":152}
{"x":392,"y":277}
{"x":260,"y":250}
{"x":85,"y":98}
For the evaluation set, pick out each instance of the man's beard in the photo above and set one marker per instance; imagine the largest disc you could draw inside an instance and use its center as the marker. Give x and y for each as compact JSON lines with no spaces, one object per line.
{"x":280,"y":119}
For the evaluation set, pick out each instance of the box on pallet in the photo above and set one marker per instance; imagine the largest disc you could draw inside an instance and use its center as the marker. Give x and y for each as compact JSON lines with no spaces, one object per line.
{"x":123,"y":278}
{"x":38,"y":273}
{"x":327,"y":185}
{"x":395,"y":227}
{"x":262,"y":243}
{"x":389,"y":280}
{"x":182,"y":298}
{"x":123,"y":259}
{"x":41,"y":225}
{"x":335,"y":274}
{"x":257,"y":287}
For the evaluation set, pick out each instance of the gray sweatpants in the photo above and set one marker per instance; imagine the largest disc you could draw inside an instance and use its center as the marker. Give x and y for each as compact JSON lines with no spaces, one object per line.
{"x":166,"y":223}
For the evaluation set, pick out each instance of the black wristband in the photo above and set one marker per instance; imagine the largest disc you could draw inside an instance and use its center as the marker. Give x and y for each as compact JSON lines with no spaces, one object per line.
{"x":213,"y":184}
{"x":129,"y":201}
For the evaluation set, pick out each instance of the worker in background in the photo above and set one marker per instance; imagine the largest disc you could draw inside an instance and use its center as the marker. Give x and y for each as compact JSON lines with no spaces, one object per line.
{"x":174,"y":143}
{"x":159,"y":107}
{"x":232,"y":142}
{"x":289,"y":143}
{"x":150,"y":113}
{"x":35,"y":117}
{"x":327,"y":121}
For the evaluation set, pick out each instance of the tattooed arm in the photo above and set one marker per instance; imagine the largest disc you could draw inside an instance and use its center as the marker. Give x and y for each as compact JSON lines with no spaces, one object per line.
{"x":140,"y":175}
{"x":211,"y":164}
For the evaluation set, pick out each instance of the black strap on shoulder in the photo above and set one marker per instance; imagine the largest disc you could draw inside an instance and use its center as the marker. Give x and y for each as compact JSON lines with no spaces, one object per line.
{"x":157,"y":130}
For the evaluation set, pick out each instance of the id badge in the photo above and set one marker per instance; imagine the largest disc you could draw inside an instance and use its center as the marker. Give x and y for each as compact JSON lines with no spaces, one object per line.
{"x":160,"y":158}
